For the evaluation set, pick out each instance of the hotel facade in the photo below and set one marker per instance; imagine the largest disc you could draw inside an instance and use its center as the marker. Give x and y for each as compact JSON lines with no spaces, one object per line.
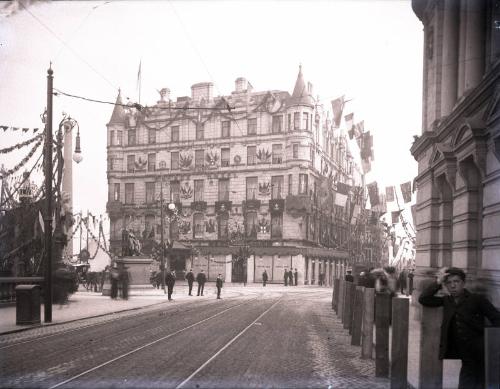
{"x":251,"y":175}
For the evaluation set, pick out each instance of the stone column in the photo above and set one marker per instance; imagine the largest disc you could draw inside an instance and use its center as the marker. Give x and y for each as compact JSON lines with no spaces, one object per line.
{"x":251,"y":269}
{"x":309,"y":270}
{"x":475,"y":43}
{"x":229,"y":268}
{"x":450,"y":56}
{"x":327,"y":273}
{"x":316,"y":271}
{"x":461,"y":48}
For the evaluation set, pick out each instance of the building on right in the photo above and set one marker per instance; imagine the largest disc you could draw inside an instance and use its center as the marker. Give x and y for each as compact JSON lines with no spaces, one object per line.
{"x":458,"y":155}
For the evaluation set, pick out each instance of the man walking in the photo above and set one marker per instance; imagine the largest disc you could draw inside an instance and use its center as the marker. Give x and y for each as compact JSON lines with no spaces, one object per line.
{"x":296,"y":276}
{"x":264,"y":278}
{"x":170,"y":281}
{"x":201,"y":278}
{"x":218,"y":284}
{"x":190,"y":280}
{"x":462,"y":329}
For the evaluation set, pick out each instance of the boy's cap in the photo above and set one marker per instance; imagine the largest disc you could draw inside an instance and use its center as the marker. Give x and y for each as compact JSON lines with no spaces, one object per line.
{"x":454,"y":271}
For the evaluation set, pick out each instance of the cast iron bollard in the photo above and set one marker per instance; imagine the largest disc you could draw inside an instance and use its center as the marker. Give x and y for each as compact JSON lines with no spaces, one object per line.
{"x":492,"y":357}
{"x":368,"y":319}
{"x":382,"y":318}
{"x":27,"y":304}
{"x":357,"y":317}
{"x":399,"y":349}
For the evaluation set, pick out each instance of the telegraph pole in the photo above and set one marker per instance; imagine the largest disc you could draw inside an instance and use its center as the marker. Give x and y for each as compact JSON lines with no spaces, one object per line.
{"x":48,"y":197}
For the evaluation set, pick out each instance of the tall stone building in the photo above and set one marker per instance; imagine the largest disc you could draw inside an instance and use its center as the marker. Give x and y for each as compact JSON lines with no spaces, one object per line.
{"x":251,"y":175}
{"x":458,"y":154}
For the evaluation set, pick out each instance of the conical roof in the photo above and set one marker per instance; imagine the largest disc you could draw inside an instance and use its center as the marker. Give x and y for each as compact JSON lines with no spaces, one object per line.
{"x":300,"y":95}
{"x":118,"y":115}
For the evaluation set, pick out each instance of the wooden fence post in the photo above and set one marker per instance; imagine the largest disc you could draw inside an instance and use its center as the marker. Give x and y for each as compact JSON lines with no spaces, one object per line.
{"x":492,"y":357}
{"x":335,"y":300}
{"x":382,"y":318}
{"x":357,"y":317}
{"x":340,"y":312}
{"x":399,"y":349}
{"x":368,"y":318}
{"x":347,"y":316}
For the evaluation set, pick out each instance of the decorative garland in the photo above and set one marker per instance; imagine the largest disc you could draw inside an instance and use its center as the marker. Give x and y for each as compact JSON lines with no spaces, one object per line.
{"x":25,"y":159}
{"x":20,"y":145}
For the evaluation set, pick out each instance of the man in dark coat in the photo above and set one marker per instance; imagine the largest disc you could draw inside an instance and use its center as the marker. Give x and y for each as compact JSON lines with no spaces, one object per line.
{"x":402,"y":281}
{"x":462,"y":329}
{"x":296,"y":276}
{"x":264,"y":278}
{"x":190,"y":279}
{"x":290,"y":277}
{"x":218,"y":284}
{"x":348,"y":276}
{"x":285,"y":277}
{"x":201,"y":278}
{"x":170,"y":281}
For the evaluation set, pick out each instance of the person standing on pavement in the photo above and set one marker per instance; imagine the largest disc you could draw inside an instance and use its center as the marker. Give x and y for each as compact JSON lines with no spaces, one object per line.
{"x":296,"y":276}
{"x":264,"y":278}
{"x":201,"y":278}
{"x":290,"y":277}
{"x":114,"y":275}
{"x":462,"y":328}
{"x":124,"y":280}
{"x":402,"y":280}
{"x":190,"y":280}
{"x":285,"y":276}
{"x":170,"y":281}
{"x":218,"y":284}
{"x":410,"y":282}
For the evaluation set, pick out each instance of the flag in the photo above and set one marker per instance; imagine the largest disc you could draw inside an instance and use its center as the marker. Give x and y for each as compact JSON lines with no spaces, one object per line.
{"x":389,"y":193}
{"x":406,"y":191}
{"x":355,"y":213}
{"x":395,"y":216}
{"x":382,"y":206}
{"x":341,"y":195}
{"x":359,"y":129}
{"x":349,"y":121}
{"x":139,"y":80}
{"x":337,"y":108}
{"x":366,"y":165}
{"x":373,"y":193}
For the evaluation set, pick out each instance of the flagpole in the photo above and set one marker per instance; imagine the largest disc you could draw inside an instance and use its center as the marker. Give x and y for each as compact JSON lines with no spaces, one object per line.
{"x":139,"y":79}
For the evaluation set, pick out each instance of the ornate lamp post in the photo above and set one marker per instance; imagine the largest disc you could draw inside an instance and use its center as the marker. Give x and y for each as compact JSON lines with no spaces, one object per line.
{"x":164,"y":246}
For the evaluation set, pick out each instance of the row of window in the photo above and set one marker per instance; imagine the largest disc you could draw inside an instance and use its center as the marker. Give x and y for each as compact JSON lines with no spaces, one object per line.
{"x":301,"y":121}
{"x":315,"y":228}
{"x":177,"y":192}
{"x":253,"y":156}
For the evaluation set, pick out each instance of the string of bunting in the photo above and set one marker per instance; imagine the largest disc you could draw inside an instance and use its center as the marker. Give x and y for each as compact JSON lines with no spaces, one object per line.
{"x":25,"y":159}
{"x":99,"y":245}
{"x":20,"y":145}
{"x":23,"y":129}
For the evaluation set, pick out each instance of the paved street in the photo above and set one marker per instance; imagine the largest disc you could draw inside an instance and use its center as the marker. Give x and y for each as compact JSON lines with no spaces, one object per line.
{"x":254,"y":337}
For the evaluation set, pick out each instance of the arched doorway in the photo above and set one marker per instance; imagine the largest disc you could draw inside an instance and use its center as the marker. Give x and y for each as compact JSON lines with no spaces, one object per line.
{"x":239,"y":271}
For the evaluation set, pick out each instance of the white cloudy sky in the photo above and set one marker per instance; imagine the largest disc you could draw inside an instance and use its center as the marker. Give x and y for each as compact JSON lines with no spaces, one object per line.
{"x":370,"y":51}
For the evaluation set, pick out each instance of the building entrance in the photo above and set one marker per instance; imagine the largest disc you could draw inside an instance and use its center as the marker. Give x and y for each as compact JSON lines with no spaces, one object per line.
{"x":178,"y":264}
{"x":239,"y":272}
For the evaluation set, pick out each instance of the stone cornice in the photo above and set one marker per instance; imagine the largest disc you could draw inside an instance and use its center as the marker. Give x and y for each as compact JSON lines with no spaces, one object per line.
{"x":427,"y":139}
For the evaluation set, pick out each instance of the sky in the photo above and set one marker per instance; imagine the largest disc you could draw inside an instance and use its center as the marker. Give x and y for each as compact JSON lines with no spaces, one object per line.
{"x":369,"y":51}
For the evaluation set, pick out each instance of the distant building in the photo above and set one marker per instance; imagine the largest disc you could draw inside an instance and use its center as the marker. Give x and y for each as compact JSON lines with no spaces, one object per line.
{"x":458,"y":154}
{"x":251,"y":169}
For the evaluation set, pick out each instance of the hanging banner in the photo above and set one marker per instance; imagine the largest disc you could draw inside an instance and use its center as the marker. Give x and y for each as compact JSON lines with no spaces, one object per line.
{"x":395,"y":216}
{"x":366,"y":166}
{"x":389,"y":193}
{"x":349,"y":121}
{"x":341,"y":194}
{"x":406,"y":191}
{"x":373,"y":193}
{"x":337,"y":108}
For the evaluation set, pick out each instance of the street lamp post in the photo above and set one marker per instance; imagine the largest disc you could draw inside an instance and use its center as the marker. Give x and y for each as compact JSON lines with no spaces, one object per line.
{"x":171,"y":207}
{"x":48,"y":197}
